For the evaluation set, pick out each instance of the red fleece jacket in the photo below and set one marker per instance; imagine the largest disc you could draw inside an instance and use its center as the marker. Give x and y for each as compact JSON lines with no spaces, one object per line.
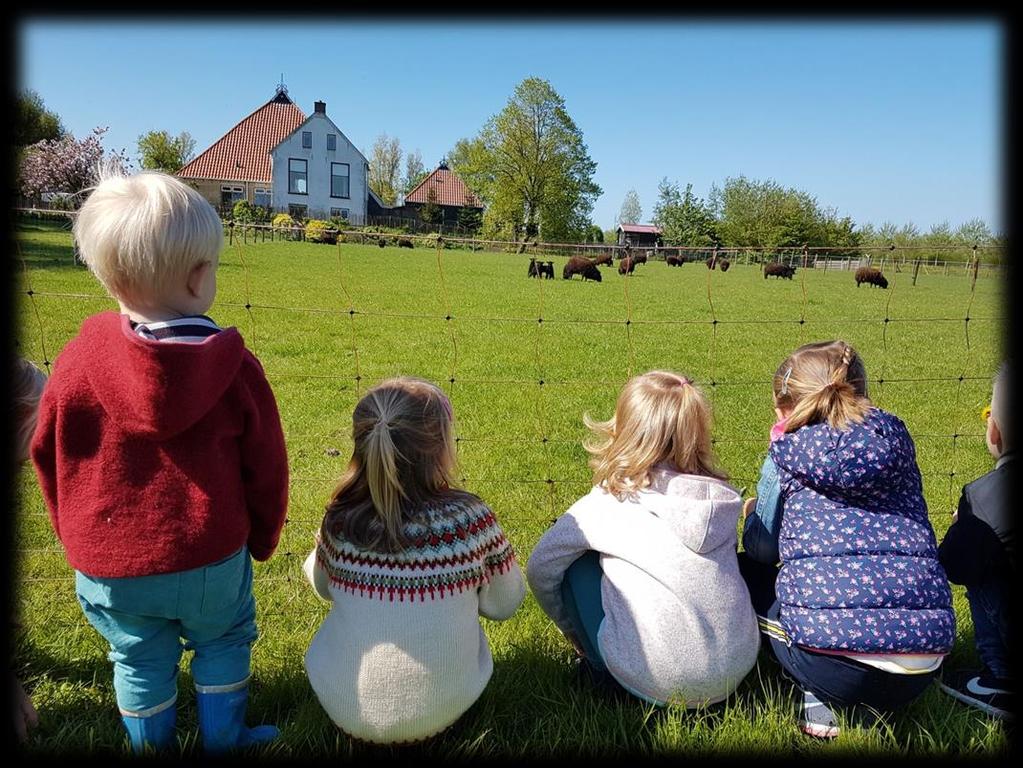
{"x":157,"y":457}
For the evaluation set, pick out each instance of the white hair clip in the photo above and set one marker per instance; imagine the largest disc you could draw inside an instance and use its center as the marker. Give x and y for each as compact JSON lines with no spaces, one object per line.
{"x":785,"y":381}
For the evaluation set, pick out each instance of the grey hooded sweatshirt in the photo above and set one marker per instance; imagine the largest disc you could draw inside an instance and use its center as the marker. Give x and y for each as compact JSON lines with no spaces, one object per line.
{"x":678,"y":623}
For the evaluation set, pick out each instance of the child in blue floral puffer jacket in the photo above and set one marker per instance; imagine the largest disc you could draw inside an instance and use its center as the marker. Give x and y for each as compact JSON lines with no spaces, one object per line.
{"x":860,"y":611}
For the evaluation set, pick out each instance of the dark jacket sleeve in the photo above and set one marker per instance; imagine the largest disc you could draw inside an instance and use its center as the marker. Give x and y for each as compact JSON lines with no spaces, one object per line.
{"x":264,"y":463}
{"x":971,"y":552}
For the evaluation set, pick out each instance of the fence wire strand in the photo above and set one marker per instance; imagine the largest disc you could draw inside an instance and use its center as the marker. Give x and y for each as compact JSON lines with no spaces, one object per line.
{"x":545,"y":436}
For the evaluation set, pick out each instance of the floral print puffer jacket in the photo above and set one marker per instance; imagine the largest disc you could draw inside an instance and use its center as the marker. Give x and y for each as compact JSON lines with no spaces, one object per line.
{"x":860,"y":568}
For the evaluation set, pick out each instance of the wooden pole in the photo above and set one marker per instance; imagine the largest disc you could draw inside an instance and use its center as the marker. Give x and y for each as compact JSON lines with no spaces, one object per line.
{"x":916,"y":269}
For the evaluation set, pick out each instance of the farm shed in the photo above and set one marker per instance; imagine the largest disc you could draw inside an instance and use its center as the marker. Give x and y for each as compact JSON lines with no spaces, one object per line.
{"x":640,"y":235}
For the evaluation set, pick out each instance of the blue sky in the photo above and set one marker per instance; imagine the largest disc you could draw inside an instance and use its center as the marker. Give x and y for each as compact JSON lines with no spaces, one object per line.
{"x":887,"y":120}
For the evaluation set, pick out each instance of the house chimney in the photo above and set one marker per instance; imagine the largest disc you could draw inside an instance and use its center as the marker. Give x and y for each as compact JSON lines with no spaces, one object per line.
{"x":320,"y":106}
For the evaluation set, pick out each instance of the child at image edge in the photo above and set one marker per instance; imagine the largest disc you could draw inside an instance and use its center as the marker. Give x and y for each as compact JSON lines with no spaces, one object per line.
{"x":641,"y":573}
{"x":161,"y":458}
{"x":409,"y":564}
{"x":860,"y":611}
{"x":979,"y":552}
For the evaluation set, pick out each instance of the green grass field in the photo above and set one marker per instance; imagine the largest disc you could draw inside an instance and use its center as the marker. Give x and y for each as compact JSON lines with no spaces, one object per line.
{"x":519,"y":387}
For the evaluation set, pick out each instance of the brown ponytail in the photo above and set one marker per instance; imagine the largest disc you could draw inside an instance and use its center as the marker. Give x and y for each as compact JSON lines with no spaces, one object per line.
{"x":822,"y":382}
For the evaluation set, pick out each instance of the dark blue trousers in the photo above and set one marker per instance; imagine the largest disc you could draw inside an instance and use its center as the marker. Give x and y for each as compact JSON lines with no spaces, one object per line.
{"x":838,"y":681}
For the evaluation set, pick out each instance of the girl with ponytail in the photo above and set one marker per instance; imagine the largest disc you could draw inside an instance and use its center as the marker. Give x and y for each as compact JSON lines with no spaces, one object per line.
{"x":409,"y":563}
{"x":859,"y":613}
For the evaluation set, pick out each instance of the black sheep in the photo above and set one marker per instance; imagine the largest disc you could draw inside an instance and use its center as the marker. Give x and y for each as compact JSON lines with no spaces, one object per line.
{"x":547,"y":270}
{"x":724,"y":264}
{"x":871,"y":276}
{"x":404,"y":242}
{"x":533,"y":271}
{"x":712,"y":262}
{"x":626,"y":266}
{"x":580,"y":265}
{"x":675,"y":261}
{"x":381,"y":241}
{"x":777,"y":269}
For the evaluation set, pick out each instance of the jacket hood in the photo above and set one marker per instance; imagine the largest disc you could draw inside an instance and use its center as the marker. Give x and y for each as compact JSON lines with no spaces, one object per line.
{"x":155,"y":389}
{"x":857,"y":457}
{"x":701,"y":511}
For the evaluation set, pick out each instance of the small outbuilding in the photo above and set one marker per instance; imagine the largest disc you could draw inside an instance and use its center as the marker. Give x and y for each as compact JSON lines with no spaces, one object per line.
{"x":640,"y":235}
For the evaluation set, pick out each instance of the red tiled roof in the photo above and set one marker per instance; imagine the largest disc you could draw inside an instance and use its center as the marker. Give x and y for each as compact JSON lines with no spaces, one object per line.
{"x":243,"y":153}
{"x":451,"y":190}
{"x":645,"y":229}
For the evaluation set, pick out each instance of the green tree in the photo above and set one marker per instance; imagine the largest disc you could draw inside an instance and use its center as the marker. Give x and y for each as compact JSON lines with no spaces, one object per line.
{"x":33,"y":122}
{"x":469,"y":218}
{"x":415,"y":171}
{"x":431,"y":213}
{"x":631,"y":212}
{"x":530,"y":167}
{"x":158,"y":150}
{"x":384,"y":163}
{"x":684,"y":219}
{"x":594,"y":234}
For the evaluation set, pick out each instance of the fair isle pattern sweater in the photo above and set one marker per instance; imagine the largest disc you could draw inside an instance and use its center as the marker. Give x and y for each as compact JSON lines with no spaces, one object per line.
{"x":401,"y":655}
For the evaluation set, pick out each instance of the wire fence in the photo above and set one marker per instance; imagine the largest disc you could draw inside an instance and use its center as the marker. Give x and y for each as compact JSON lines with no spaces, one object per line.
{"x":243,"y":239}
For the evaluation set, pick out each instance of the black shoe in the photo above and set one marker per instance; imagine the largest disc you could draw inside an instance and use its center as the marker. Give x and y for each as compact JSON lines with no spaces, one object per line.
{"x":981,"y":690}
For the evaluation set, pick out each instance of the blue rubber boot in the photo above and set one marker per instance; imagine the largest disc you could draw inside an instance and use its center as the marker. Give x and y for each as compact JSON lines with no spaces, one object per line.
{"x":154,"y":732}
{"x":222,"y":721}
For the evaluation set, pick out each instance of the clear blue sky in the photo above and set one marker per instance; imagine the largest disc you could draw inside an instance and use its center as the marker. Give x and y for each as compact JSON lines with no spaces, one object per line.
{"x":884,"y":120}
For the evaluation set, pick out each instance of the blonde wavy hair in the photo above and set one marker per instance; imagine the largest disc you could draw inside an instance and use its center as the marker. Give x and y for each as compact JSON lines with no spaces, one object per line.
{"x":660,"y":416}
{"x":404,"y":456}
{"x":29,"y":382}
{"x":822,"y":382}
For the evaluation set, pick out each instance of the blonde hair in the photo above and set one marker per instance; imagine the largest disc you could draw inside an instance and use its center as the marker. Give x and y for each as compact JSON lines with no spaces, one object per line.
{"x":659,"y":416}
{"x":139,"y":233}
{"x":999,"y":406}
{"x":822,"y":382}
{"x":29,"y":383}
{"x":404,"y":456}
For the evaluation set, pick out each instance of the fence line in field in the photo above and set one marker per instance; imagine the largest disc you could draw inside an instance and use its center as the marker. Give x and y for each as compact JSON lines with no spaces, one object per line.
{"x":239,"y":240}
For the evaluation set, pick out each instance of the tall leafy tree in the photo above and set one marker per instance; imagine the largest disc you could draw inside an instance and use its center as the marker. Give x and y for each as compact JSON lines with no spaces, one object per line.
{"x":33,"y":122}
{"x":415,"y":171}
{"x":684,"y":218}
{"x":160,"y":151}
{"x":631,"y":212}
{"x":431,"y":212}
{"x":384,"y":166}
{"x":530,"y":166}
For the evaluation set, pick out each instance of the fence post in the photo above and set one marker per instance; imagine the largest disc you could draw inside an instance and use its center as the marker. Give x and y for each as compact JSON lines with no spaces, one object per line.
{"x":916,"y":270}
{"x":976,"y":267}
{"x":230,"y":233}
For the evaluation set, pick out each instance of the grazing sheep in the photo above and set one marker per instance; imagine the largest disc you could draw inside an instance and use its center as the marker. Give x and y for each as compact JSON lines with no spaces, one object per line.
{"x":778,"y":269}
{"x":640,"y":258}
{"x":547,"y":270}
{"x":404,"y":242}
{"x":675,"y":261}
{"x":871,"y":275}
{"x":724,"y":264}
{"x":712,"y":262}
{"x":626,"y":266}
{"x":604,"y":258}
{"x":580,"y":265}
{"x":533,"y":271}
{"x":381,"y":241}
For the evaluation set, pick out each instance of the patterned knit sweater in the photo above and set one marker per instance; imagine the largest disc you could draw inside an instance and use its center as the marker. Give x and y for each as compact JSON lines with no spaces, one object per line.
{"x":401,"y":655}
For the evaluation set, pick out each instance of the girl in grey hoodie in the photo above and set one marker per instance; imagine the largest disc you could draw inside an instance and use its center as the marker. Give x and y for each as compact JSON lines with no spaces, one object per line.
{"x":641,"y":573}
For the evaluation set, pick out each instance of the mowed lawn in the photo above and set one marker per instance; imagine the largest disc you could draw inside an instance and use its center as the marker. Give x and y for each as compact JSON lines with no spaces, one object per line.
{"x":522,"y":360}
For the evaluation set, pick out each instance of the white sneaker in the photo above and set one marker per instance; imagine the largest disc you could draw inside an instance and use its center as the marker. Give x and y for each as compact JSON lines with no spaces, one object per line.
{"x":817,"y":718}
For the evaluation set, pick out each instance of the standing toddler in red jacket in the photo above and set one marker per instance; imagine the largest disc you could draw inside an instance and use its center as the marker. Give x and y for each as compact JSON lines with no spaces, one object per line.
{"x":161,"y":457}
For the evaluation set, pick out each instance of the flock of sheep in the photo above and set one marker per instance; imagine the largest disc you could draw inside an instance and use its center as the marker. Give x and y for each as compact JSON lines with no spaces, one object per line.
{"x":587,"y":268}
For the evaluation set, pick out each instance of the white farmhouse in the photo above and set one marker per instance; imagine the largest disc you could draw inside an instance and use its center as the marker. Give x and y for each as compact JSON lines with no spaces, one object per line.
{"x":318,"y":173}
